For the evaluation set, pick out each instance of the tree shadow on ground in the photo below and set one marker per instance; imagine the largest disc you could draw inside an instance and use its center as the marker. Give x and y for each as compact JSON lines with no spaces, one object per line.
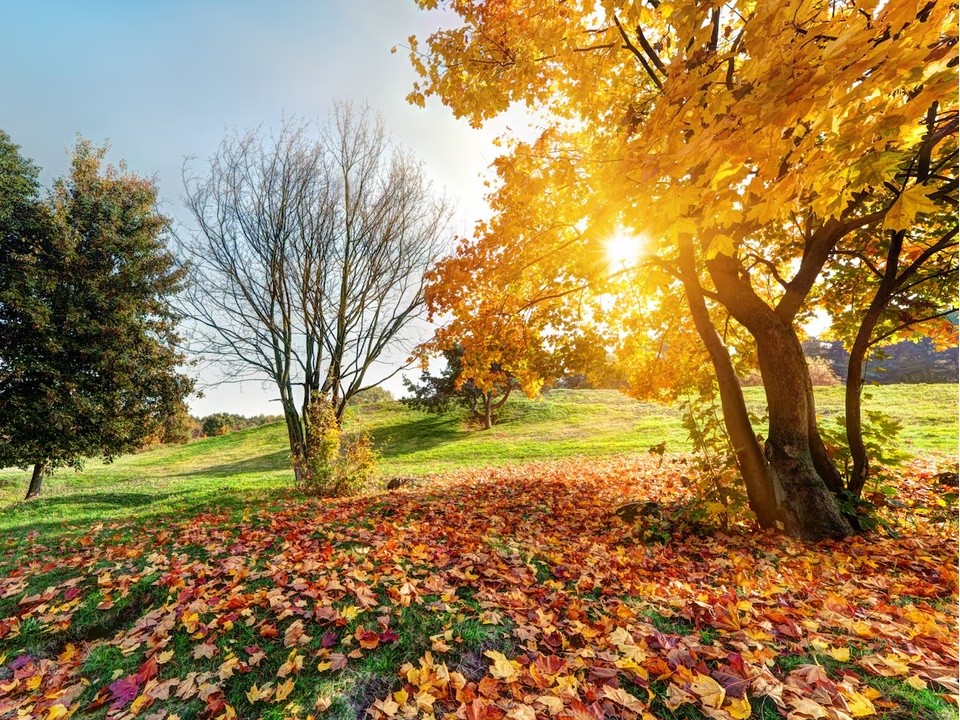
{"x":416,"y":436}
{"x":269,"y":462}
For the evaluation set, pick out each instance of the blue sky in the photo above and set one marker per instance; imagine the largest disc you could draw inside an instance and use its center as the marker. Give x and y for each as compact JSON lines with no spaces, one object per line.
{"x":163,"y":80}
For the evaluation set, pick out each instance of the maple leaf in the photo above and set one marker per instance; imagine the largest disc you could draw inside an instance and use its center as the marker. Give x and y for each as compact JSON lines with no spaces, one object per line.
{"x":123,"y":691}
{"x":255,"y":694}
{"x":710,"y":692}
{"x":553,"y":704}
{"x":295,"y":635}
{"x":205,"y":650}
{"x":502,"y":668}
{"x":522,"y":712}
{"x":905,"y":209}
{"x":283,"y":690}
{"x":292,"y":665}
{"x":623,"y":698}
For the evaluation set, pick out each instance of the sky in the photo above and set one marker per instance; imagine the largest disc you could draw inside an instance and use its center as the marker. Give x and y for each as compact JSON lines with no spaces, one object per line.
{"x":163,"y":82}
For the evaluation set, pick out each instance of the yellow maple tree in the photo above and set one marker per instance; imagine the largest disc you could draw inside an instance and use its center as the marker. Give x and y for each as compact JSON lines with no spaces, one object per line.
{"x":745,"y":139}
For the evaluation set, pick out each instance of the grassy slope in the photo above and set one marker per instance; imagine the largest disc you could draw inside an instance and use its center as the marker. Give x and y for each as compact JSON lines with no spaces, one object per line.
{"x":225,"y":470}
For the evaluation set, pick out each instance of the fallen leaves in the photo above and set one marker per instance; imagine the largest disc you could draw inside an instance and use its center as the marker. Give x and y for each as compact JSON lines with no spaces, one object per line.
{"x":539,"y":603}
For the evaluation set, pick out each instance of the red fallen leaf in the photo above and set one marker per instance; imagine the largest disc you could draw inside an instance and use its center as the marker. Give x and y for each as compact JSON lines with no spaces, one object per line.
{"x":329,"y":639}
{"x":70,"y":594}
{"x":215,"y":705}
{"x":549,"y":664}
{"x":123,"y":691}
{"x":268,"y":630}
{"x":388,"y":636}
{"x":147,"y":671}
{"x":252,"y":649}
{"x":367,"y":638}
{"x":576,"y":710}
{"x":481,"y":710}
{"x":338,"y":661}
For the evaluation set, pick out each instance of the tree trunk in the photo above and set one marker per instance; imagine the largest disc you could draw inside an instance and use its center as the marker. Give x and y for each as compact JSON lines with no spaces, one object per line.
{"x":810,"y":508}
{"x":853,"y":393}
{"x":298,"y":439}
{"x":822,"y":461}
{"x":487,"y":411}
{"x":36,"y":480}
{"x":750,"y":459}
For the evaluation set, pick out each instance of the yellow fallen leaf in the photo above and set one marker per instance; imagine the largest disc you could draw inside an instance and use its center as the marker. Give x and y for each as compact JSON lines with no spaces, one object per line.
{"x":858,"y":705}
{"x":283,"y":689}
{"x":839,"y":654}
{"x":739,"y":708}
{"x":502,"y":668}
{"x":401,"y":696}
{"x":323,"y":703}
{"x":710,"y":692}
{"x":164,"y":657}
{"x":255,"y":694}
{"x":55,"y":712}
{"x":916,"y":683}
{"x":553,"y":704}
{"x":387,"y":706}
{"x":522,"y":712}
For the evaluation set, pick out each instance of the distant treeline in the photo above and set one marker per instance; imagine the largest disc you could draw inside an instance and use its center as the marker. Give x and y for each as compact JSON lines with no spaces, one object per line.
{"x":183,"y":427}
{"x":905,"y":362}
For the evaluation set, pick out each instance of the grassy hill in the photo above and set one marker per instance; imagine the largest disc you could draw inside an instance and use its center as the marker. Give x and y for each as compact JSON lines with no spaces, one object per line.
{"x":191,"y":582}
{"x":564,"y":423}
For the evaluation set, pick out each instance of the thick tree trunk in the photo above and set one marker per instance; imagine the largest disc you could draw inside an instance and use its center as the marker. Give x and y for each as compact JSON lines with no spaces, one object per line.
{"x":36,"y":480}
{"x":750,"y":459}
{"x":818,"y":451}
{"x":810,"y":508}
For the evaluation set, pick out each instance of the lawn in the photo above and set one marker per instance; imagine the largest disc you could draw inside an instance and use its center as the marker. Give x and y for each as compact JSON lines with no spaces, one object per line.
{"x":191,"y":582}
{"x":565,"y":423}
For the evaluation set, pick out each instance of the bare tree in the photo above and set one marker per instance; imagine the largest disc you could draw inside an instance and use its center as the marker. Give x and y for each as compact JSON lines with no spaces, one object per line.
{"x":310,"y":258}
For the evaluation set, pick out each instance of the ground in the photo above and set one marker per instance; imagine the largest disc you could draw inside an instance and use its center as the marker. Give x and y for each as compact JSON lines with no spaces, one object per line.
{"x":512,"y":591}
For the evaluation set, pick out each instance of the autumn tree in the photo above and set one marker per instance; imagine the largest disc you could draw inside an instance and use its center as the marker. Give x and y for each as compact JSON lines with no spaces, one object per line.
{"x":88,"y":359}
{"x":451,"y":386}
{"x":309,"y":258}
{"x":746,"y":141}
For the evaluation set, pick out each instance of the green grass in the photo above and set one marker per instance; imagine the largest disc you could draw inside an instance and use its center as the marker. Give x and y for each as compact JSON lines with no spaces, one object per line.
{"x":224,"y":471}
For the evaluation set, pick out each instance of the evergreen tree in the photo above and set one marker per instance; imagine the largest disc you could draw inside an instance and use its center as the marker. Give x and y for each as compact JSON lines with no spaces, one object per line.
{"x":88,"y":364}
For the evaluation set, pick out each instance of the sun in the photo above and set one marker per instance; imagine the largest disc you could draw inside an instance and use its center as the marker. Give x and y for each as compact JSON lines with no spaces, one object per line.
{"x":623,"y":250}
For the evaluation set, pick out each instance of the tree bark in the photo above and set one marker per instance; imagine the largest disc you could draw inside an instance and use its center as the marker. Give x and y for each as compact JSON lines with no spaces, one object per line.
{"x":751,"y":462}
{"x":808,"y":507}
{"x":487,"y":411}
{"x":36,"y":480}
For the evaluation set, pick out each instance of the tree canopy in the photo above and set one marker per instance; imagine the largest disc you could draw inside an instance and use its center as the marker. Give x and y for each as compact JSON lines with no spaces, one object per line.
{"x":749,"y":145}
{"x":88,"y":359}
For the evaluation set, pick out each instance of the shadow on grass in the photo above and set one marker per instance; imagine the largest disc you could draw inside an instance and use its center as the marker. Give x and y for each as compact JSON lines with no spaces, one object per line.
{"x":414,"y":436}
{"x":279,"y":460}
{"x":76,"y":512}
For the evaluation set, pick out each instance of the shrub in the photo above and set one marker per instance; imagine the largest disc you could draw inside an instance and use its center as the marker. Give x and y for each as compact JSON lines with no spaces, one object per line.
{"x":334,"y":464}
